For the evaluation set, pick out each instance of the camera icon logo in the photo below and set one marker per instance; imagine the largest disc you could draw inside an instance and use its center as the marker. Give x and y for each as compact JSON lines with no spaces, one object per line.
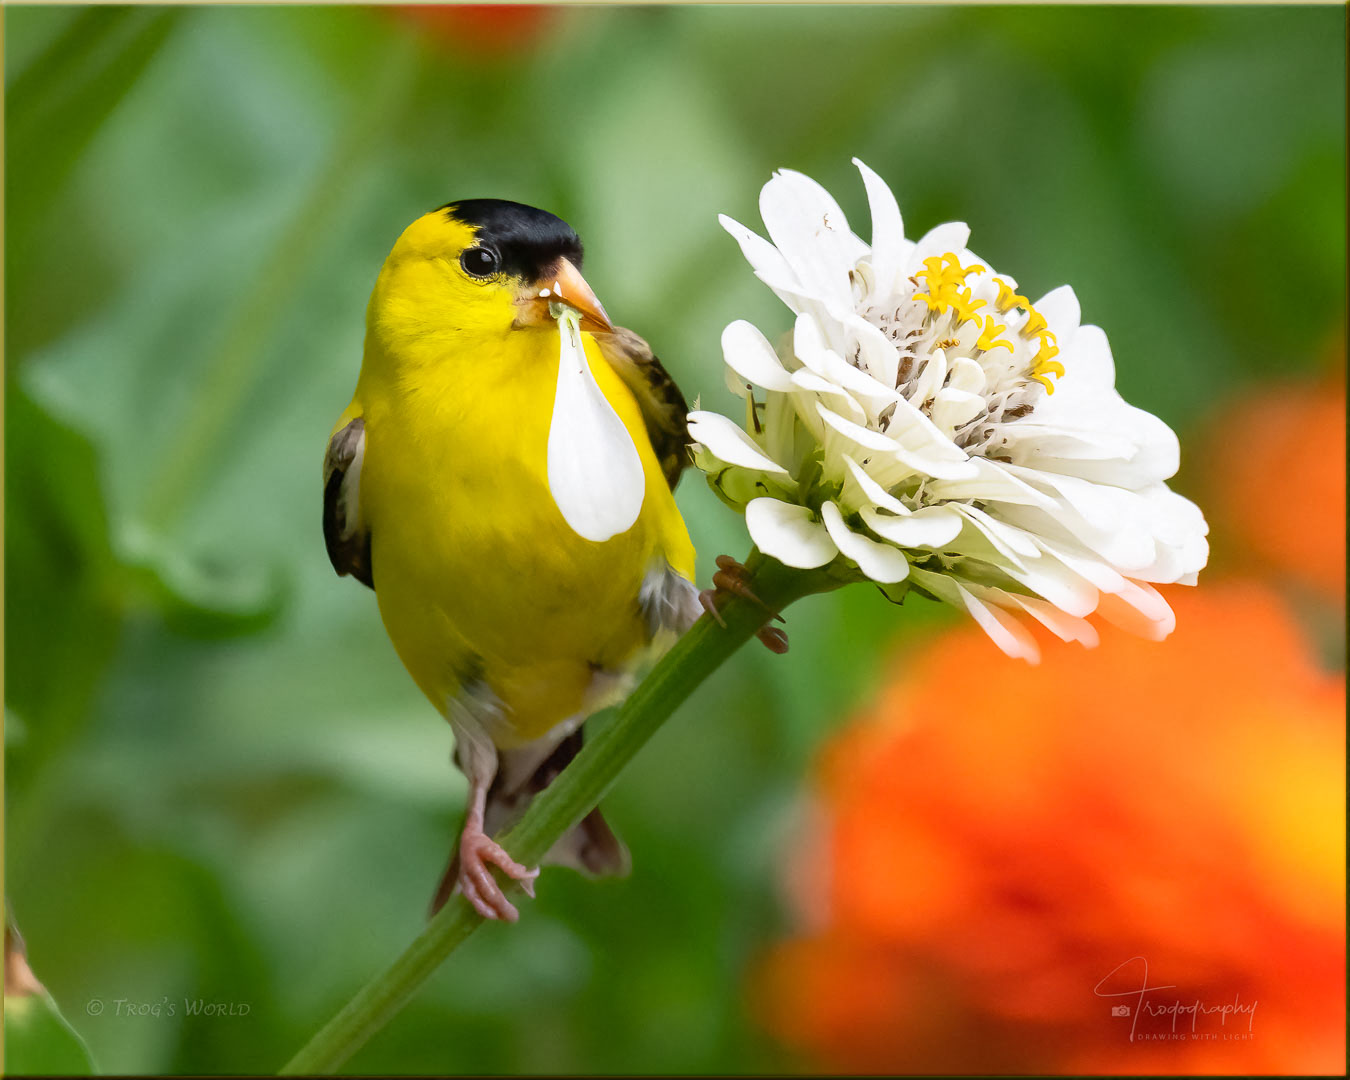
{"x":1120,"y":1010}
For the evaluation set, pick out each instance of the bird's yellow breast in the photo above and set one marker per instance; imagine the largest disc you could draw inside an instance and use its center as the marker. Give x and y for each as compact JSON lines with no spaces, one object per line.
{"x":477,"y":574}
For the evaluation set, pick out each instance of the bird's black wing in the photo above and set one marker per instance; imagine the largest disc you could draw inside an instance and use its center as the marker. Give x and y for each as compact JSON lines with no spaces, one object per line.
{"x":663,"y":406}
{"x":344,"y":530}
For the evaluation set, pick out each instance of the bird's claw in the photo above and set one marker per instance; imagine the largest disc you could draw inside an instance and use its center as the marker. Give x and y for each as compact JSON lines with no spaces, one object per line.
{"x":480,"y":888}
{"x":773,"y":639}
{"x":733,"y":579}
{"x":708,"y":598}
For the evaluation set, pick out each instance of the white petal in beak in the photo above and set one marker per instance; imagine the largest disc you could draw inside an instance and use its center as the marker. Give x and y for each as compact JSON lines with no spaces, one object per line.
{"x":594,"y":471}
{"x":564,"y":285}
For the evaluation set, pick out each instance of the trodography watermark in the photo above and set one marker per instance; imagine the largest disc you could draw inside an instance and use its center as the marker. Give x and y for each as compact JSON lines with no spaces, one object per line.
{"x":166,"y":1007}
{"x":1192,"y":1019}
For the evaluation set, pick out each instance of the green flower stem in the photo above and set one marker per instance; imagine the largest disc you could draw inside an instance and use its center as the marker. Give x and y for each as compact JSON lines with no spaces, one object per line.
{"x":696,"y":655}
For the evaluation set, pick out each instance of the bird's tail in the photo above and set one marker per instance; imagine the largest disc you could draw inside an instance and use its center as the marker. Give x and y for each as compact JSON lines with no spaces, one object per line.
{"x":589,"y":846}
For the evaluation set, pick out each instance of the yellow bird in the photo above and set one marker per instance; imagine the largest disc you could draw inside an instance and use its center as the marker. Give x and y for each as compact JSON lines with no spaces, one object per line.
{"x":503,"y":479}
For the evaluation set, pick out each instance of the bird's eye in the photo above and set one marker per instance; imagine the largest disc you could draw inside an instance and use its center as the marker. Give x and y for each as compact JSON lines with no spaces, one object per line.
{"x":480,"y":262}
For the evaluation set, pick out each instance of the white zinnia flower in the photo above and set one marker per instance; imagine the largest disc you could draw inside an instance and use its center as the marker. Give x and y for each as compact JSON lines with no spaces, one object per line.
{"x":931,"y":426}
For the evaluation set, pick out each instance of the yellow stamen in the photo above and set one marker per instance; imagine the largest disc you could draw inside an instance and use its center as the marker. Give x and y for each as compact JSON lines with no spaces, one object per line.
{"x":1034,"y":325}
{"x":1008,"y":298}
{"x":945,"y":275}
{"x":963,"y":271}
{"x":1044,"y":364}
{"x":963,"y":305}
{"x":989,"y":339}
{"x":933,"y":271}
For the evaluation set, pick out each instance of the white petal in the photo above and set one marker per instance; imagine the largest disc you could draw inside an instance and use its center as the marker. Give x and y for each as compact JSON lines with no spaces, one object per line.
{"x":932,"y":527}
{"x":1086,"y":564}
{"x":880,"y":562}
{"x":930,"y":378}
{"x":810,"y":348}
{"x":886,"y":469}
{"x":1063,"y":626}
{"x":1090,"y":359}
{"x":1086,"y":406}
{"x":789,"y":533}
{"x":857,"y":434}
{"x":1062,"y":314}
{"x":1174,"y":518}
{"x":771,"y":267}
{"x":952,"y":409}
{"x":913,"y":430}
{"x":1009,"y":536}
{"x":984,"y":542}
{"x":873,"y":493}
{"x":990,"y":481}
{"x":1046,"y":446}
{"x":876,"y":352}
{"x":1126,"y":528}
{"x":888,"y":234}
{"x":1128,"y":547}
{"x":925,"y":460}
{"x":1140,"y":609}
{"x":967,"y":375}
{"x":749,"y":354}
{"x":594,"y":472}
{"x":1059,"y":585}
{"x":766,"y":260}
{"x":844,"y":437}
{"x":1194,"y":556}
{"x":809,"y":228}
{"x":949,"y":236}
{"x":1002,"y":628}
{"x":729,"y":443}
{"x":836,"y":397}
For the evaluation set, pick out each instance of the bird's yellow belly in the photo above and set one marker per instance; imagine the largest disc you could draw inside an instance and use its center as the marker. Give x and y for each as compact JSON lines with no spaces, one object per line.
{"x":478,"y":576}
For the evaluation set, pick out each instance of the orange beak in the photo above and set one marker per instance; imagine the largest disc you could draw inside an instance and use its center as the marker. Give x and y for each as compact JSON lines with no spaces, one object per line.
{"x":565,"y":285}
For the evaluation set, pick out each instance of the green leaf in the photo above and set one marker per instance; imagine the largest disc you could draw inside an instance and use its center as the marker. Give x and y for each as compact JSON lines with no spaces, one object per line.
{"x":62,"y":97}
{"x":61,"y":603}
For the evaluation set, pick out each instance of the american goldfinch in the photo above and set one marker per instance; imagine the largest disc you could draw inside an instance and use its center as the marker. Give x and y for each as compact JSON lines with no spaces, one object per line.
{"x":503,"y":480}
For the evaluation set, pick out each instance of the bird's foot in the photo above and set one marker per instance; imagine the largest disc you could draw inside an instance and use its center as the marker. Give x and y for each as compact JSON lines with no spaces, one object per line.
{"x":480,"y":888}
{"x":733,"y":579}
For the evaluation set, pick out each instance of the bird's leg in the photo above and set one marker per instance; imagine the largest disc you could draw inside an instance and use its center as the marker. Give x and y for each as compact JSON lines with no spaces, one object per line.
{"x":476,"y":851}
{"x":477,"y":757}
{"x":733,"y":579}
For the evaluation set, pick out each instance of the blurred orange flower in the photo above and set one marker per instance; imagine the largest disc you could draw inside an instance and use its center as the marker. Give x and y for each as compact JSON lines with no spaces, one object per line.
{"x":1003,"y":854}
{"x":492,"y":30}
{"x":1280,"y":503}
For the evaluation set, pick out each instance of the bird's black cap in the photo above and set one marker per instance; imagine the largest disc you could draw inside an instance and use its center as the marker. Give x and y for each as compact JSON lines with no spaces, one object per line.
{"x":527,"y":241}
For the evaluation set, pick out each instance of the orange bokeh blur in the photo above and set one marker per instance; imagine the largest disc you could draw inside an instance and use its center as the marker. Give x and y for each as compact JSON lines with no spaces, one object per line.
{"x":1274,"y":462}
{"x":998,"y":845}
{"x":489,"y":31}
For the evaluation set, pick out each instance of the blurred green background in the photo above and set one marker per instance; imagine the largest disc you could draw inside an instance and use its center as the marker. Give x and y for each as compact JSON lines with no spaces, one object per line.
{"x":220,"y":783}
